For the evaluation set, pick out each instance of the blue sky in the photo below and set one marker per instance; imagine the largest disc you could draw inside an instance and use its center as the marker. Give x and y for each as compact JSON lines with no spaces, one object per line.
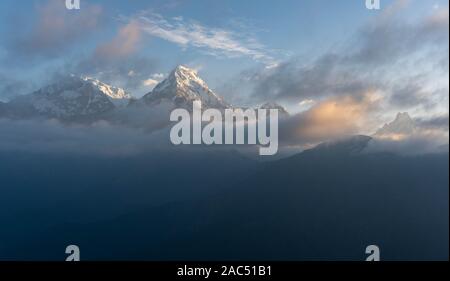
{"x":134,"y":44}
{"x":284,"y":29}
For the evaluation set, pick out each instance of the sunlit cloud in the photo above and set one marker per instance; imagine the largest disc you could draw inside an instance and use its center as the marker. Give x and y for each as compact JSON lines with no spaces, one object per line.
{"x":150,"y":82}
{"x":124,"y":44}
{"x":331,"y":118}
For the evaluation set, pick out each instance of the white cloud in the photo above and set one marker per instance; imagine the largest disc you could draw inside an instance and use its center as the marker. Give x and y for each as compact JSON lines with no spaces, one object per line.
{"x":215,"y":41}
{"x":154,"y":79}
{"x":306,"y":102}
{"x":158,"y":76}
{"x":150,"y":82}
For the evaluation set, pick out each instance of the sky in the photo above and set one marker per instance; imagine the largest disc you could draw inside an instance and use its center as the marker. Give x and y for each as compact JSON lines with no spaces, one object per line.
{"x":323,"y":58}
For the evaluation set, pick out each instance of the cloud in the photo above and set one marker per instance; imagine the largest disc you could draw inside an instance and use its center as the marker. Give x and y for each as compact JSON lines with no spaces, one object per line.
{"x":440,"y":122}
{"x":12,"y":87}
{"x":410,"y":93}
{"x":329,"y":119}
{"x":421,"y":142}
{"x":123,"y":45}
{"x":338,"y":117}
{"x":214,"y":41}
{"x":118,"y":62}
{"x":150,"y":82}
{"x":56,"y":29}
{"x":388,"y":38}
{"x":327,"y":76}
{"x":99,"y":139}
{"x":158,"y":76}
{"x":405,"y":61}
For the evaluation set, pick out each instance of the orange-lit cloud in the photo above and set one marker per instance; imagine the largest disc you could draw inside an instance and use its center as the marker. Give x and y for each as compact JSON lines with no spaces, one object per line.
{"x":331,"y":118}
{"x":124,"y":44}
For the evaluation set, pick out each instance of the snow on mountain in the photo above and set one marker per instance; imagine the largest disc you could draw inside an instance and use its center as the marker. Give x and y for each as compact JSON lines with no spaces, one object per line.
{"x":398,"y":129}
{"x":70,"y":98}
{"x":117,"y":96}
{"x":83,"y":98}
{"x":182,"y":87}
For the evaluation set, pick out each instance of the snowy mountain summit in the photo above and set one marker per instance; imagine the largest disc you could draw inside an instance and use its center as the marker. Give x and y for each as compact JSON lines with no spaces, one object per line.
{"x":182,"y":87}
{"x":401,"y":127}
{"x":70,"y":98}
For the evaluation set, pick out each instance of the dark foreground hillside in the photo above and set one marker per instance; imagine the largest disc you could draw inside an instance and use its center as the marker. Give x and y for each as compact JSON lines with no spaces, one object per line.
{"x":323,"y":204}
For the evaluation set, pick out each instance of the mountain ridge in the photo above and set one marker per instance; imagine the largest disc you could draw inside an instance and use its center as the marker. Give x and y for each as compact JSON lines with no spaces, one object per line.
{"x":81,"y":98}
{"x":73,"y":97}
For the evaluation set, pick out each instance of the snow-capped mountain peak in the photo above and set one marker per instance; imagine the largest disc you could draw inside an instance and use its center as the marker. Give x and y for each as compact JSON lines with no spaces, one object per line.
{"x":402,"y":126}
{"x":69,"y":98}
{"x":182,"y":87}
{"x":187,"y":77}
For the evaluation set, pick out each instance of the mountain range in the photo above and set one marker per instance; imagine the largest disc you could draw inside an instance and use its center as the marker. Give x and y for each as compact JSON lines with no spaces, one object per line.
{"x":75,"y":99}
{"x":87,"y":99}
